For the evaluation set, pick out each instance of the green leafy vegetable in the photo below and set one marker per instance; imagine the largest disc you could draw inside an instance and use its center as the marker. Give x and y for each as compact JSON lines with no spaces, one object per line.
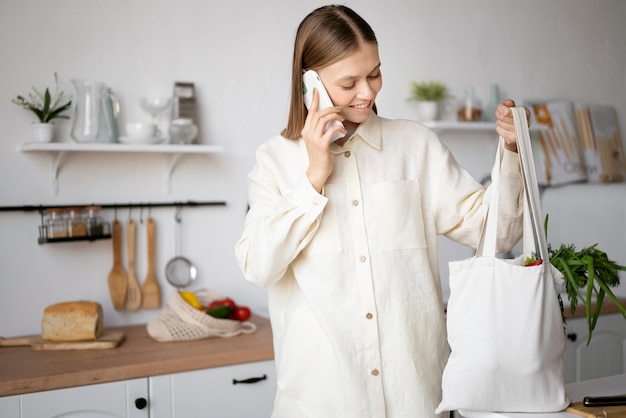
{"x":589,"y":270}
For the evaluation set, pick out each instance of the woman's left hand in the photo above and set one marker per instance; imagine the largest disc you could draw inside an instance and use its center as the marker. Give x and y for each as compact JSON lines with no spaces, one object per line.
{"x":505,"y":126}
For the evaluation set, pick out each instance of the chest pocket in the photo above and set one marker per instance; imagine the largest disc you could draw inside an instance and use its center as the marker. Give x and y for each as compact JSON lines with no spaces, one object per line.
{"x":397,"y":215}
{"x":326,"y":239}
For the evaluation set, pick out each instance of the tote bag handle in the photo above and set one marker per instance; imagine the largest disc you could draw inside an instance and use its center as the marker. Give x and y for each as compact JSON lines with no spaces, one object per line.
{"x":534,"y":234}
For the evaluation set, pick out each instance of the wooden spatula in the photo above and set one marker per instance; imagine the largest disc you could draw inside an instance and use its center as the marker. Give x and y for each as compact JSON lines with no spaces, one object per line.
{"x":151,"y":292}
{"x":118,"y":280}
{"x":133,"y":295}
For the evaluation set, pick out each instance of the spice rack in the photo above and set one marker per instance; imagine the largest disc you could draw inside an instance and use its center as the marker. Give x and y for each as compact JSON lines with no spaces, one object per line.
{"x":45,"y":237}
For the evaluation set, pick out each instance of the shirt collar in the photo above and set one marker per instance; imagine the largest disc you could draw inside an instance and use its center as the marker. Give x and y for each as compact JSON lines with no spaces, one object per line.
{"x":369,"y":131}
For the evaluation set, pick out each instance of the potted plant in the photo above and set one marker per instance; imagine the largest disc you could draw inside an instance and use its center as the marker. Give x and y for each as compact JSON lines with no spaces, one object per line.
{"x":429,"y":95}
{"x":46,"y":107}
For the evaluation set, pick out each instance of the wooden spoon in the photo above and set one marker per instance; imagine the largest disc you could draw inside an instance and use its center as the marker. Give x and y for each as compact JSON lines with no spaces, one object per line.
{"x":151,"y":292}
{"x":117,"y":280}
{"x":133,"y":295}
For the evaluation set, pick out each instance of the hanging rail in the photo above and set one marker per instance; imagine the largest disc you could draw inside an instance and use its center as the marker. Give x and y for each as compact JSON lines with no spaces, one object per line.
{"x":41,"y":208}
{"x":105,"y":233}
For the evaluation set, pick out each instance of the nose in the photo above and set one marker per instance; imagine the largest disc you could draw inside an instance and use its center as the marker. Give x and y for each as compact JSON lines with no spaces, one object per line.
{"x":366,"y":91}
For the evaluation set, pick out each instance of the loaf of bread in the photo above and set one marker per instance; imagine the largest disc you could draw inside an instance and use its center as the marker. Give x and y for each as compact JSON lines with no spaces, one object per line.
{"x":72,"y":321}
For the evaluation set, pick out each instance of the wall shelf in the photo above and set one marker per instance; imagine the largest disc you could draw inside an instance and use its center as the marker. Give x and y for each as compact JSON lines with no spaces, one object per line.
{"x":60,"y":150}
{"x":110,"y":147}
{"x":455,"y":126}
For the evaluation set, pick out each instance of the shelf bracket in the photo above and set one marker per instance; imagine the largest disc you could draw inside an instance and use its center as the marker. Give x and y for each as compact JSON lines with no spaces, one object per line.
{"x":57,"y":161}
{"x":172,"y":161}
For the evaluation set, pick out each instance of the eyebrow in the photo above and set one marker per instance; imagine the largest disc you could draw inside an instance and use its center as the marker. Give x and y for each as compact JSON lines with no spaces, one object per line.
{"x":352,"y":77}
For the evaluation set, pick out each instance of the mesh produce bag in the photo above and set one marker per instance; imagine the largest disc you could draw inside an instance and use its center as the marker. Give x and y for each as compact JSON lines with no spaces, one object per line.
{"x":179,"y":321}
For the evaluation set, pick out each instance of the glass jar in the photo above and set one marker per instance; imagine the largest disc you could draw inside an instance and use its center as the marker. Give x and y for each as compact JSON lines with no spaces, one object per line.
{"x":471,"y":109}
{"x":95,"y":226}
{"x":56,"y":223}
{"x":183,"y":131}
{"x":75,"y":223}
{"x":489,"y":114}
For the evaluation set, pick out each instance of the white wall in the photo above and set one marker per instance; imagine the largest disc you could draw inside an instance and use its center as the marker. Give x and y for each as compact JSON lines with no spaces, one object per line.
{"x":238,"y":54}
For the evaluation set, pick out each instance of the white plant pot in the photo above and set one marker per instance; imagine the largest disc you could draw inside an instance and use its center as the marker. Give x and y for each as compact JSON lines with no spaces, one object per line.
{"x":42,"y":132}
{"x":427,"y":111}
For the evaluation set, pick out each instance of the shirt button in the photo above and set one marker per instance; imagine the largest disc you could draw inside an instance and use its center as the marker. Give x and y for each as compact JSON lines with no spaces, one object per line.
{"x":362,"y":259}
{"x":375,"y":372}
{"x":355,"y":202}
{"x":347,"y":154}
{"x":369,"y":315}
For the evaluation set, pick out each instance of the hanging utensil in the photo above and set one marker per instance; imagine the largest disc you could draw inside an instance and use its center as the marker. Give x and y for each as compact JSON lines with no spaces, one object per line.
{"x":150,"y":290}
{"x":180,"y":271}
{"x":117,"y":280}
{"x":133,"y":295}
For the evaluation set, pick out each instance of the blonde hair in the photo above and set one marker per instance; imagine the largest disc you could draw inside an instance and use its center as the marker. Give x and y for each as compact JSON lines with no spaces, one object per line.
{"x":325,"y":36}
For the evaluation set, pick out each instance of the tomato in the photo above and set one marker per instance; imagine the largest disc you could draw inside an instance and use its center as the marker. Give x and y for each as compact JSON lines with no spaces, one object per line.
{"x":228,"y":302}
{"x":213,"y":305}
{"x":242,"y":313}
{"x":222,"y":302}
{"x":530,"y":262}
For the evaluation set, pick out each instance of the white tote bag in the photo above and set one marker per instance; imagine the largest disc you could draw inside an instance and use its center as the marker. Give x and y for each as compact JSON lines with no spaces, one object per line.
{"x":505,"y":327}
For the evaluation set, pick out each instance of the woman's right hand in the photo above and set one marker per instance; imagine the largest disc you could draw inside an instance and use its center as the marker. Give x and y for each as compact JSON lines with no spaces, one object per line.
{"x":318,"y":143}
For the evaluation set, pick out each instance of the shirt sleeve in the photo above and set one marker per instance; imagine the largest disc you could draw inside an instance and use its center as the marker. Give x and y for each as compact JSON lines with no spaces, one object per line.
{"x":281,"y":222}
{"x":462,"y":212}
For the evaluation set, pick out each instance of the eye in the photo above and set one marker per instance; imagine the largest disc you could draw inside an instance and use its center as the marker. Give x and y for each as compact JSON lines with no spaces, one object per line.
{"x":374,"y":76}
{"x":350,"y":87}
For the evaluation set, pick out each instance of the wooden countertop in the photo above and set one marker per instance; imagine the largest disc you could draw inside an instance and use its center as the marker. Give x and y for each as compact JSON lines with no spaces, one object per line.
{"x":608,"y":307}
{"x":23,"y":370}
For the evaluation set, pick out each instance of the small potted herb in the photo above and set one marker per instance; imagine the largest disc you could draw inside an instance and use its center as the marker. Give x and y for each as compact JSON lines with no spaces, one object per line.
{"x":46,"y":107}
{"x":428,"y":94}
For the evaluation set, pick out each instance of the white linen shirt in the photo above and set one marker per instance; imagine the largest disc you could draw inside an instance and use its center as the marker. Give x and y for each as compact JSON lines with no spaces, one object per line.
{"x":354,"y":293}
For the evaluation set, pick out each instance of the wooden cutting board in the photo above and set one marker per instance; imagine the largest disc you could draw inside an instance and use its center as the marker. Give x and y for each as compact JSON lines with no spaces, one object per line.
{"x":577,"y":408}
{"x":108,"y":339}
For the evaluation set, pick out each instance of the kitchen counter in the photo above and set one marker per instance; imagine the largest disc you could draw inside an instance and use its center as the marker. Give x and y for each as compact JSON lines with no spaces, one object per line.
{"x":23,"y":370}
{"x":605,"y":386}
{"x":608,"y":307}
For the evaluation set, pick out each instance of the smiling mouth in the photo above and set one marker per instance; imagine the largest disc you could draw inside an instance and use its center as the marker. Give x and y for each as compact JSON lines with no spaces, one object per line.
{"x":361,"y":106}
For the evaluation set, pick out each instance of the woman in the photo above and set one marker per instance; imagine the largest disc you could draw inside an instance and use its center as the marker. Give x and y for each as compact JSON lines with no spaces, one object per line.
{"x":344,"y":236}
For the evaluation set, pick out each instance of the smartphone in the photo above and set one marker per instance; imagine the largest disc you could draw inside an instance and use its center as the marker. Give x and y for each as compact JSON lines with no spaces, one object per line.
{"x":311,"y":80}
{"x":591,"y":401}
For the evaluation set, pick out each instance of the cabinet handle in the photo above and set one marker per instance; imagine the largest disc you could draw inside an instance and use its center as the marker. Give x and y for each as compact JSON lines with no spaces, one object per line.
{"x":572,"y":337}
{"x":141,"y":403}
{"x":250,"y":380}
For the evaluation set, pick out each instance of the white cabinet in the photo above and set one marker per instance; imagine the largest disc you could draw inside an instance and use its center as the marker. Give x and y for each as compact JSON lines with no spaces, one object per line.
{"x":244,"y":390}
{"x":10,"y":406}
{"x":604,"y":356}
{"x":126,"y":399}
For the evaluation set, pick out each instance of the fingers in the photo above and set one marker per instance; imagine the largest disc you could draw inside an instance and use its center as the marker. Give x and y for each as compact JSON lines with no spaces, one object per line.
{"x":505,"y":126}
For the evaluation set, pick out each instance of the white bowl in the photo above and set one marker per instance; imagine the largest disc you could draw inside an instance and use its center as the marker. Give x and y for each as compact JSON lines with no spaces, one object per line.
{"x":140,"y":130}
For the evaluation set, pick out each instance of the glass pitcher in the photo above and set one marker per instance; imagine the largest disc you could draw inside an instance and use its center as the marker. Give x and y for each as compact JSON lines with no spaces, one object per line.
{"x":95,"y":113}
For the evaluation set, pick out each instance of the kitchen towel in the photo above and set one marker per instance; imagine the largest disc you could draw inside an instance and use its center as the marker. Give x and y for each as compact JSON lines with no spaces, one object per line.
{"x":505,"y":327}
